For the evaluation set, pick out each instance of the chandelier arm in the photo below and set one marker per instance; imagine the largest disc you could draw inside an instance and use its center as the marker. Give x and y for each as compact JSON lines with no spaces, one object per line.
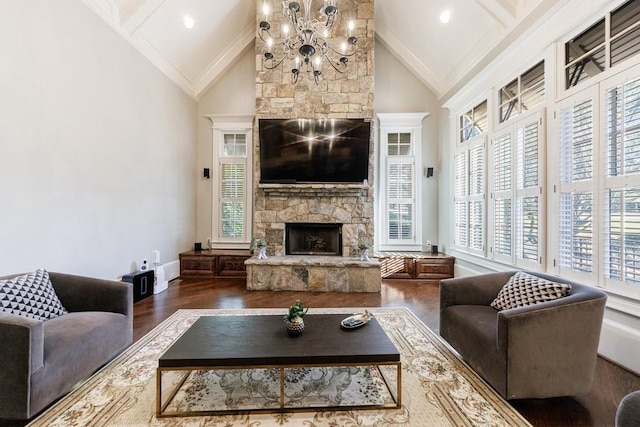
{"x":336,"y":65}
{"x":265,"y":31}
{"x":331,"y":48}
{"x":276,"y":65}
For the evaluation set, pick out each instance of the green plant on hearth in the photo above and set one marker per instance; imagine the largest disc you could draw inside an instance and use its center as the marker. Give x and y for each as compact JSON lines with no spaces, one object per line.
{"x":258,"y":243}
{"x":360,"y":246}
{"x":296,"y":313}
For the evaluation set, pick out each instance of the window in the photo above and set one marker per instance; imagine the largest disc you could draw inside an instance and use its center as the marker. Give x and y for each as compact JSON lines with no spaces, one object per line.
{"x":469,"y":206}
{"x":400,"y":154}
{"x":516,"y":193}
{"x":474,"y":122}
{"x":599,"y":184}
{"x":231,"y":184}
{"x":586,"y":54}
{"x":576,"y":220}
{"x":622,"y":184}
{"x":521,"y":94}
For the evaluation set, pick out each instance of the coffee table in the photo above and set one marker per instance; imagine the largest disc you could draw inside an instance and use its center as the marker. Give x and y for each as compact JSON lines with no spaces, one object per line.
{"x":247,"y":342}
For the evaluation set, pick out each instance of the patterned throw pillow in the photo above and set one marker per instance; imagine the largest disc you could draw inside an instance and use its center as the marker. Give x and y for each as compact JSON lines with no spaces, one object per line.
{"x":524,"y":289}
{"x":31,"y":295}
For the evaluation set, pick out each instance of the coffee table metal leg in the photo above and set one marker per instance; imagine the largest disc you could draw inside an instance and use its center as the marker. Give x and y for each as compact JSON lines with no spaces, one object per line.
{"x":160,"y":408}
{"x":399,"y":386}
{"x":281,"y":388}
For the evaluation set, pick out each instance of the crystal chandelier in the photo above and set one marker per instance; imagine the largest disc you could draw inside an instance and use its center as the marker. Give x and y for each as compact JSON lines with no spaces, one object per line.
{"x":305,"y":40}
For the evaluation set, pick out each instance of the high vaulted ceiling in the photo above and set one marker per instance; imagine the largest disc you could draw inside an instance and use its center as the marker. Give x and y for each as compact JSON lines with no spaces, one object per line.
{"x":442,"y":56}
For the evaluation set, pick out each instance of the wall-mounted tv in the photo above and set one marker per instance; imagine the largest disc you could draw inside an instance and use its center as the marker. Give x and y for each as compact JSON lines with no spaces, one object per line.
{"x":314,"y":150}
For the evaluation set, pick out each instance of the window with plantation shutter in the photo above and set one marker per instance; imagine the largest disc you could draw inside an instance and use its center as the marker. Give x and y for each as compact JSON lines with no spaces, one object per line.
{"x":232,"y":192}
{"x":576,"y":217}
{"x":469,"y":228}
{"x":528,"y":190}
{"x":231,"y":179}
{"x":622,"y":185}
{"x":517,"y":192}
{"x":502,"y":197}
{"x":400,"y":201}
{"x":400,"y":153}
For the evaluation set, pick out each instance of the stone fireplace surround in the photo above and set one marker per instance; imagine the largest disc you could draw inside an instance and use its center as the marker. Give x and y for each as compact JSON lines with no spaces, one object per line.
{"x":337,"y":95}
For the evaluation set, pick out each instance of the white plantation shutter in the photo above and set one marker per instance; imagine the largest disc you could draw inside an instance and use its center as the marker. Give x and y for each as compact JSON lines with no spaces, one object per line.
{"x":232,"y":194}
{"x":476,"y":197}
{"x":576,"y":220}
{"x":469,"y":228}
{"x":622,"y":185}
{"x":461,"y":184}
{"x":527,"y":212}
{"x":502,"y":196}
{"x":400,"y":199}
{"x":517,"y":192}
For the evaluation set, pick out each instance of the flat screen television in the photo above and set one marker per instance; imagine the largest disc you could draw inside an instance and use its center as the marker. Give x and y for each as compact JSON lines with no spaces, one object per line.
{"x":296,"y":151}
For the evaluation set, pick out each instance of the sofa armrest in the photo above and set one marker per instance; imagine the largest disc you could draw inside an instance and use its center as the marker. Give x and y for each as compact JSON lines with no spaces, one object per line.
{"x":559,"y":336}
{"x":21,"y":354}
{"x":79,"y":293}
{"x":472,"y":290}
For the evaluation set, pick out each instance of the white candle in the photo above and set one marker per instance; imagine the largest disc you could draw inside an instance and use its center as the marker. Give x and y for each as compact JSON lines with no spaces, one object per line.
{"x":351,"y":27}
{"x":265,"y":9}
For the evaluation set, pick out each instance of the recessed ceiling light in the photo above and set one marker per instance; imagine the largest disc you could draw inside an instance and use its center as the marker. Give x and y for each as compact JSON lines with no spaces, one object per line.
{"x":188,"y":22}
{"x":445,"y":16}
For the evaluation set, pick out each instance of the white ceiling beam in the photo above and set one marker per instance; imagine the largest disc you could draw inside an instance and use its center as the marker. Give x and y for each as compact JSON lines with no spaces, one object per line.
{"x":503,"y":11}
{"x":425,"y":74}
{"x":134,"y":13}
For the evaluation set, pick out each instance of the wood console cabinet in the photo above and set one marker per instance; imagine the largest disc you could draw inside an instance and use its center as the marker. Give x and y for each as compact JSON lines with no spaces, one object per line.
{"x":214,"y":263}
{"x":428,"y":268}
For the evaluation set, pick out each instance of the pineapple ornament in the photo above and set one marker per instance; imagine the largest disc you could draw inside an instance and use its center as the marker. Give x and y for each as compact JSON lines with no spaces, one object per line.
{"x":294,"y":319}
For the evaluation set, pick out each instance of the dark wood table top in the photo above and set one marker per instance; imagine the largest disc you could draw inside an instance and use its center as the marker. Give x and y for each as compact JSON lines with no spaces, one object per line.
{"x":237,"y":341}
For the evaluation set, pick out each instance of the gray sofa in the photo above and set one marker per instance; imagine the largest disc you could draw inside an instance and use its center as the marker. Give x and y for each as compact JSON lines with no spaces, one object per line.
{"x":542,"y":350}
{"x":42,"y":361}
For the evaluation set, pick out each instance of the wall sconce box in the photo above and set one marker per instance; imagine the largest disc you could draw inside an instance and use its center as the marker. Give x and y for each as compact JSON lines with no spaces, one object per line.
{"x":142,"y":283}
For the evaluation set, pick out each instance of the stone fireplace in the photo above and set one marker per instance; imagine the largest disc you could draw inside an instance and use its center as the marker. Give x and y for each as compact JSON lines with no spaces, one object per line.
{"x":313,"y":239}
{"x":277,"y":207}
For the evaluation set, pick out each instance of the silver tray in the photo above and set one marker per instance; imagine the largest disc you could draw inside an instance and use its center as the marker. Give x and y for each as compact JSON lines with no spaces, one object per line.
{"x":356,"y":321}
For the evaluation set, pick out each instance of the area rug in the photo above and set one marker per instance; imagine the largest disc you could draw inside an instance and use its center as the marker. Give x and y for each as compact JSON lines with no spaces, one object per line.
{"x":438,"y":389}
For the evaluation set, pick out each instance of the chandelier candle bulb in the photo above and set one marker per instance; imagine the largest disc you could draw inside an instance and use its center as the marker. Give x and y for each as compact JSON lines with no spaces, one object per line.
{"x":265,"y":10}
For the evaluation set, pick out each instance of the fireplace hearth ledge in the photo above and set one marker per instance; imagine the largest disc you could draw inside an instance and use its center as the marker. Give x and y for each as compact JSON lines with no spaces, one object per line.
{"x":313,"y":273}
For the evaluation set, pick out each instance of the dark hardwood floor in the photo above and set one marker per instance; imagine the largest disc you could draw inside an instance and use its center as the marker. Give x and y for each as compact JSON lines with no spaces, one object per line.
{"x":597,"y":408}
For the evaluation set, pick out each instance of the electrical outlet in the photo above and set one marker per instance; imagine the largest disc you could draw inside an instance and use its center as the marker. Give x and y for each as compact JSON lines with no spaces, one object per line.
{"x":209,"y":242}
{"x":429,"y":243}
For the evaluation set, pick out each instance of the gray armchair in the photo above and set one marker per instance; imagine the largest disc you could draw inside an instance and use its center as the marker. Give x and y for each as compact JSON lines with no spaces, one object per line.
{"x":542,"y":350}
{"x":42,"y":361}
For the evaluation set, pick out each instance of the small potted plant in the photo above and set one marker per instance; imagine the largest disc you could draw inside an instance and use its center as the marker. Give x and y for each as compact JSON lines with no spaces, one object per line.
{"x":293,"y":319}
{"x":261,"y":246}
{"x":363,"y":249}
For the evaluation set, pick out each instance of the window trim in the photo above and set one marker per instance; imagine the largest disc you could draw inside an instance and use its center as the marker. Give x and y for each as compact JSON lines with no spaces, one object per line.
{"x":221,"y":125}
{"x":390,"y":123}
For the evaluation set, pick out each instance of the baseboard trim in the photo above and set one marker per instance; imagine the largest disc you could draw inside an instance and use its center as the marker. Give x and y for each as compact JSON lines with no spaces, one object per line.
{"x":172,"y":270}
{"x":620,"y":344}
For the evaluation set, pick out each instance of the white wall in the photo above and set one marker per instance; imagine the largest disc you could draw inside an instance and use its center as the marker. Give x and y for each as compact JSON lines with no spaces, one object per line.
{"x":397,"y":90}
{"x":234,"y":93}
{"x":97,"y":147}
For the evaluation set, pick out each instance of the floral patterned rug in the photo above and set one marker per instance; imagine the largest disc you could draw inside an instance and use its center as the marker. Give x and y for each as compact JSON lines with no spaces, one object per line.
{"x":438,"y":389}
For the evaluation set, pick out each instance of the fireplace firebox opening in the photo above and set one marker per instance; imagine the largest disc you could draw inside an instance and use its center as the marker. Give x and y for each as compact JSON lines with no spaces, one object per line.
{"x":313,"y":239}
